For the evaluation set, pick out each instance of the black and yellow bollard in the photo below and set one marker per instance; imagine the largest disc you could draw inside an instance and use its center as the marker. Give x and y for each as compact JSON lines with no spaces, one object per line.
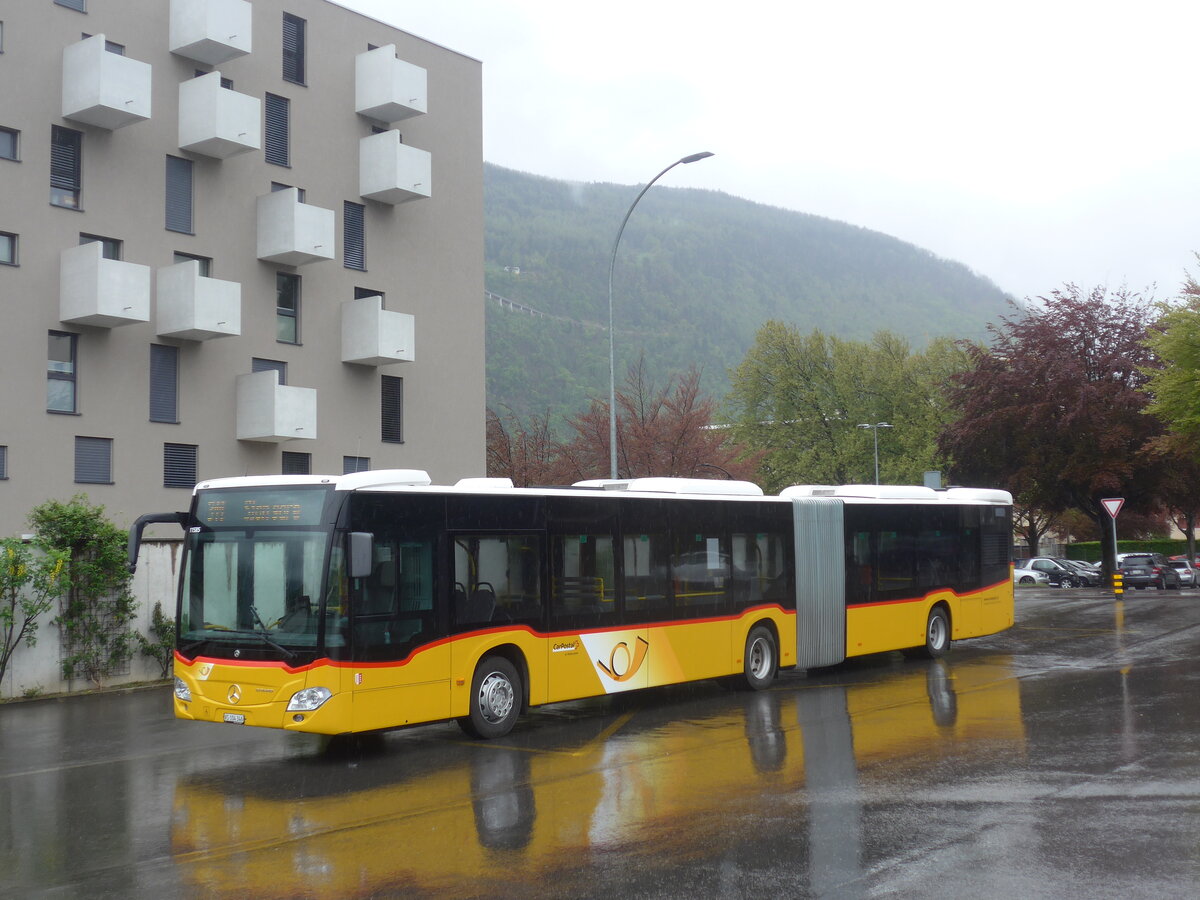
{"x":1118,"y":584}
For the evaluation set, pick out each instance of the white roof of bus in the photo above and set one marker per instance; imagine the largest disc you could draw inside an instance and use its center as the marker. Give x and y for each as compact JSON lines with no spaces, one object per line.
{"x":405,"y":479}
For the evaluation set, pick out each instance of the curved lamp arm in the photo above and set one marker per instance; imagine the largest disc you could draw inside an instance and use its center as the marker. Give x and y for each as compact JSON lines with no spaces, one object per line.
{"x":612,"y":376}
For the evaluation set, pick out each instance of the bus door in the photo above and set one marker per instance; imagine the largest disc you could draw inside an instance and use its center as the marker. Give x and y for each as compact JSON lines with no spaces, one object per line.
{"x":589,"y":652}
{"x":400,"y":669}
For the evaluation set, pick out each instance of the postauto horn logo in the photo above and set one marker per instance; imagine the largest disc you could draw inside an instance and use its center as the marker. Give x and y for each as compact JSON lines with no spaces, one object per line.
{"x":622,"y":663}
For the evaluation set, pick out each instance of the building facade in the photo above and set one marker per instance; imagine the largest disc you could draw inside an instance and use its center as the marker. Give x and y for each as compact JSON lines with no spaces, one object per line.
{"x":235,"y":238}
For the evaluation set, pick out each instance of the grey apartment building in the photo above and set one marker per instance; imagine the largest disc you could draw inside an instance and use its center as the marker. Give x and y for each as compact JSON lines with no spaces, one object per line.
{"x":235,"y":238}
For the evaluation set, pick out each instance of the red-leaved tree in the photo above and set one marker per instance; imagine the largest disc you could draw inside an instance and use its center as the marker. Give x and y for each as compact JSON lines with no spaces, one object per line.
{"x":1052,"y":410}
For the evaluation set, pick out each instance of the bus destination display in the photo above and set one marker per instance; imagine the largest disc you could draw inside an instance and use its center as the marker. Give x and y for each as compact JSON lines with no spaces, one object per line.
{"x":260,"y":507}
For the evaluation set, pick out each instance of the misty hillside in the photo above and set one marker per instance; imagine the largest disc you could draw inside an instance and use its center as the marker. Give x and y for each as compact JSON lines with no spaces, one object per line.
{"x":697,"y":273}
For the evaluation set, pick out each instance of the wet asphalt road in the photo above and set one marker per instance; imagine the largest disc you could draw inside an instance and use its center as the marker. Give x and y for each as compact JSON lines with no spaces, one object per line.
{"x":1060,"y":759}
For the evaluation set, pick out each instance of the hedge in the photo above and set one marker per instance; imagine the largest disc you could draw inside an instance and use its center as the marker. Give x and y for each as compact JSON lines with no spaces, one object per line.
{"x":1089,"y":551}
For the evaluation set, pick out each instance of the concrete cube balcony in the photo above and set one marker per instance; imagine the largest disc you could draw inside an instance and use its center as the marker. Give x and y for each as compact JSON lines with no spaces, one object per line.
{"x":388,"y":89}
{"x":215,"y":121}
{"x":271,"y":412}
{"x":392,"y":172}
{"x":103,"y":292}
{"x":374,"y":336}
{"x":194,"y":308}
{"x":293,"y":233}
{"x":210,"y":31}
{"x":102,"y":88}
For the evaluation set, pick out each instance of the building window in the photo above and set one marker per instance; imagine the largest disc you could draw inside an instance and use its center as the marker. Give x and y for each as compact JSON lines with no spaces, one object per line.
{"x":276,"y":144}
{"x":361,"y":292}
{"x":60,"y":372}
{"x":179,"y":465}
{"x":93,"y":460}
{"x":287,"y":308}
{"x":179,"y":194}
{"x":296,"y":463}
{"x":8,"y":249}
{"x":270,"y":365}
{"x":391,"y":413}
{"x":164,"y":384}
{"x":293,"y":48}
{"x":352,"y":464}
{"x":110,"y":247}
{"x":78,"y":5}
{"x":205,"y":262}
{"x":3,"y":462}
{"x":66,"y":155}
{"x":9,"y":145}
{"x":353,"y":235}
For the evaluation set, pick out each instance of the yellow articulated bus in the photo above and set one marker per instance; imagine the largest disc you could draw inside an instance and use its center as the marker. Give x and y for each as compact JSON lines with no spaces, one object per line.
{"x":377,"y":600}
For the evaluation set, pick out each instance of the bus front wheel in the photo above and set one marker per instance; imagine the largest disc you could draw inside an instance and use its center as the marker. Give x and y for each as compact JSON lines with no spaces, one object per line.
{"x":495,"y":699}
{"x":761,"y":659}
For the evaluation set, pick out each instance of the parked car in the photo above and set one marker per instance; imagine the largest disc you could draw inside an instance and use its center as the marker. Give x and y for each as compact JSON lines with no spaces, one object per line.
{"x":1022,"y":574}
{"x":1086,"y":574}
{"x":1187,"y":573}
{"x":1057,"y":571}
{"x":1143,"y":570}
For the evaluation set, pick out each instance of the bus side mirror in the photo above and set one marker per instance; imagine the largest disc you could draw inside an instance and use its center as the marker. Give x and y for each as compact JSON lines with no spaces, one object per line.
{"x":361,"y":557}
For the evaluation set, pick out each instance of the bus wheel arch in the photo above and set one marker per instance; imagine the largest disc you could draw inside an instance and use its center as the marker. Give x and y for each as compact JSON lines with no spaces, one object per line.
{"x":499,"y":694}
{"x":760,"y":661}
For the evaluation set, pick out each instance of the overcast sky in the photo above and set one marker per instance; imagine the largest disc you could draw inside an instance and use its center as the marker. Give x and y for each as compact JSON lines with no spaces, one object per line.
{"x":1037,"y":142}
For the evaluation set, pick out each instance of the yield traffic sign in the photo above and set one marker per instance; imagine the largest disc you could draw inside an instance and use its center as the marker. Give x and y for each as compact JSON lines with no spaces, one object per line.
{"x":1113,"y":505}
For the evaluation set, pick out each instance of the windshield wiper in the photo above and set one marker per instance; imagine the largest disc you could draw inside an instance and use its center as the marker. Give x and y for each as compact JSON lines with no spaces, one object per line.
{"x":265,"y":634}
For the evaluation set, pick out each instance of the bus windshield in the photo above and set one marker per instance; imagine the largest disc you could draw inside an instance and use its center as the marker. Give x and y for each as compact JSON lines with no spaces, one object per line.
{"x":251,"y":584}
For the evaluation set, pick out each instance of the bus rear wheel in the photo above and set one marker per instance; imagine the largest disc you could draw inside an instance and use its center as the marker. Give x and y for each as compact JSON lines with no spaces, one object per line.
{"x":937,"y":634}
{"x":495,"y":699}
{"x":760,"y":660}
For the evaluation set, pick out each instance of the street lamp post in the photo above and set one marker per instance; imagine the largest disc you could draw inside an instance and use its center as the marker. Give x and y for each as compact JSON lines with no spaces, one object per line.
{"x":875,"y":431}
{"x":612,"y":373}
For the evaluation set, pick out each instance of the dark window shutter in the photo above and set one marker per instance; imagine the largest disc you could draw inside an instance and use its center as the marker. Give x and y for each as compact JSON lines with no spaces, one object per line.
{"x":64,"y":158}
{"x":351,"y":464}
{"x":353,"y":236}
{"x":269,"y":365}
{"x":164,"y":383}
{"x":293,"y":48}
{"x":179,"y":465}
{"x":297,"y":463}
{"x":276,"y":141}
{"x":3,"y":462}
{"x":179,"y":194}
{"x":78,"y":5}
{"x":392,"y":408}
{"x":93,"y":460}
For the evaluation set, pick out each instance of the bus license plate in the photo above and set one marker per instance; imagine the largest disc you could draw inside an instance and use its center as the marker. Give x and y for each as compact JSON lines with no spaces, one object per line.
{"x":235,"y":718}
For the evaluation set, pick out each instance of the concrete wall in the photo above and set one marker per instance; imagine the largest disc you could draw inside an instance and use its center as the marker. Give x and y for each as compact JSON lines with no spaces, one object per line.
{"x":36,"y":670}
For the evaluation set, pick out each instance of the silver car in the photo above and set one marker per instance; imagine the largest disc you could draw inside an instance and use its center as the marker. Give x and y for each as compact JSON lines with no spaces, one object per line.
{"x":1022,"y":574}
{"x":1187,"y":573}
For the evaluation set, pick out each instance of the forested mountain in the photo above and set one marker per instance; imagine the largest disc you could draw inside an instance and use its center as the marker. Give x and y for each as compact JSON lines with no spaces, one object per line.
{"x":697,"y":273}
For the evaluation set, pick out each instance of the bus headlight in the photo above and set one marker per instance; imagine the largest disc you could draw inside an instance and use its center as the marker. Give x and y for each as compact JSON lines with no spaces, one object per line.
{"x":309,"y":699}
{"x":182,"y":691}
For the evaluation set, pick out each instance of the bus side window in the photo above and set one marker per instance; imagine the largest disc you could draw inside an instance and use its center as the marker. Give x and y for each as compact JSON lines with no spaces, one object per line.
{"x":582,"y":580}
{"x":497,"y":578}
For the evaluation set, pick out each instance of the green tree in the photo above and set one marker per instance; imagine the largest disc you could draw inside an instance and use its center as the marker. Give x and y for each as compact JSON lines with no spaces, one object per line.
{"x":160,"y":646}
{"x":96,"y":607}
{"x":31,"y":579}
{"x":800,"y":399}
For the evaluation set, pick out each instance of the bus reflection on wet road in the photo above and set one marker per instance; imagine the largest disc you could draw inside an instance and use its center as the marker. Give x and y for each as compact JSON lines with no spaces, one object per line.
{"x":1056,"y":759}
{"x":655,"y":781}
